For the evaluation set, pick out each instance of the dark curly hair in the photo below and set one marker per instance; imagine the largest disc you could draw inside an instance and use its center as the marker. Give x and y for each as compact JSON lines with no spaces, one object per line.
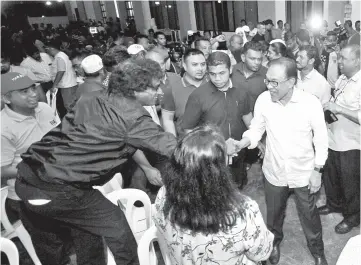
{"x":200,"y":194}
{"x":134,"y":75}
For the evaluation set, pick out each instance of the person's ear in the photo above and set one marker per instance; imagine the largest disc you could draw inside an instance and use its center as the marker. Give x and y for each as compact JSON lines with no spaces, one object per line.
{"x":311,"y":61}
{"x":6,"y":98}
{"x":243,"y":57}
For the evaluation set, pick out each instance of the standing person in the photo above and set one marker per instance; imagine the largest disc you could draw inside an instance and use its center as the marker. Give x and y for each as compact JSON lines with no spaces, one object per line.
{"x":276,"y":50}
{"x":269,"y":30}
{"x":291,"y":42}
{"x":329,"y":59}
{"x":353,"y":35}
{"x":235,"y":46}
{"x":224,"y":104}
{"x":309,"y":79}
{"x":204,"y":45}
{"x":261,"y":30}
{"x":342,"y":176}
{"x":357,"y":26}
{"x":97,"y":138}
{"x":296,"y":150}
{"x":177,"y":92}
{"x":63,"y":74}
{"x":200,"y":204}
{"x":287,"y":28}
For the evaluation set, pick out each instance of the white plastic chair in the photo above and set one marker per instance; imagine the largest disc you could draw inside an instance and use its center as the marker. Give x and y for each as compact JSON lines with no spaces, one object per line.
{"x":16,"y":230}
{"x":9,"y":248}
{"x":116,"y":183}
{"x":146,"y":254}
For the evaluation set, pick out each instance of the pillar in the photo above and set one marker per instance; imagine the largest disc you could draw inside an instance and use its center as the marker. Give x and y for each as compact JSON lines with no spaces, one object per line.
{"x":280,"y":11}
{"x":187,"y":17}
{"x":89,"y":10}
{"x":142,"y":16}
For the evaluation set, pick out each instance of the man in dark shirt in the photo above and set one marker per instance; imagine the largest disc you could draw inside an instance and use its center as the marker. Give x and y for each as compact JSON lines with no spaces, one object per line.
{"x":98,"y":136}
{"x":261,"y":30}
{"x":221,"y":103}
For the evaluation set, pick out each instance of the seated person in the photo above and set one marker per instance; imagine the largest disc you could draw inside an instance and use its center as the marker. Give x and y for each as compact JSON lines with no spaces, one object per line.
{"x":24,"y":121}
{"x":200,"y":213}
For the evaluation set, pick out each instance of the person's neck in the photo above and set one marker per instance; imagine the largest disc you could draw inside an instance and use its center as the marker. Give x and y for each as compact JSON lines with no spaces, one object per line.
{"x":305,"y":71}
{"x":225,"y":87}
{"x":351,"y":74}
{"x":284,"y":101}
{"x":23,"y":111}
{"x":192,"y":81}
{"x":247,"y":72}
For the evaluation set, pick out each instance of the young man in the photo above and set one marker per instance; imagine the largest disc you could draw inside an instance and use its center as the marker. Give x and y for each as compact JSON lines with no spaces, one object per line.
{"x":24,"y":121}
{"x":177,"y":92}
{"x":222,"y":103}
{"x":291,"y":43}
{"x":142,"y":40}
{"x":342,"y":176}
{"x":353,"y":35}
{"x":329,"y":58}
{"x":309,"y":79}
{"x":97,"y":138}
{"x":261,"y":30}
{"x":295,"y":153}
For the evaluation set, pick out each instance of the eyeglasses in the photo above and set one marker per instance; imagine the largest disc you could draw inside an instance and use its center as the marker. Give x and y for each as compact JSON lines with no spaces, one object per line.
{"x":274,"y":84}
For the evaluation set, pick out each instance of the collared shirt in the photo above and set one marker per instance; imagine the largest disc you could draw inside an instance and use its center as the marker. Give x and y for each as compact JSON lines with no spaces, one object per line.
{"x":296,"y":137}
{"x":225,"y":109}
{"x":40,"y":69}
{"x":96,"y":138}
{"x":152,"y":110}
{"x":253,"y":84}
{"x":22,"y":70}
{"x":315,"y":84}
{"x":62,"y":63}
{"x":247,"y":241}
{"x":176,"y":92}
{"x":332,"y":69}
{"x":18,"y":132}
{"x":344,"y":134}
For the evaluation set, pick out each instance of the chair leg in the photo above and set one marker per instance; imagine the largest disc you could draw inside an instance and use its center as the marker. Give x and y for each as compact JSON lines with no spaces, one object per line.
{"x":28,"y":244}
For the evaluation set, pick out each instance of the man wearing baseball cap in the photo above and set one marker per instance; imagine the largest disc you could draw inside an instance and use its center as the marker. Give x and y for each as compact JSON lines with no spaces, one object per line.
{"x":95,"y":74}
{"x":136,"y":51}
{"x":24,"y":120}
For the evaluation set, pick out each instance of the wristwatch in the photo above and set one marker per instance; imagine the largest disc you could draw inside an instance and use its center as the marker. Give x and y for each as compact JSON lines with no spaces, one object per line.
{"x":319,"y":169}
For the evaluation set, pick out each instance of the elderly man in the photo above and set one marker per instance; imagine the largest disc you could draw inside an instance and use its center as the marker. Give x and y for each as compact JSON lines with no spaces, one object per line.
{"x":97,"y":138}
{"x":235,"y":46}
{"x":261,"y":30}
{"x":296,"y":150}
{"x":136,"y":51}
{"x":204,"y":45}
{"x":24,"y":121}
{"x":342,"y":176}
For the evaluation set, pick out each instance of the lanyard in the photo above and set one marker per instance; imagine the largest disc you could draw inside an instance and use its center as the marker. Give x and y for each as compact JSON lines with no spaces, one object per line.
{"x":340,"y":91}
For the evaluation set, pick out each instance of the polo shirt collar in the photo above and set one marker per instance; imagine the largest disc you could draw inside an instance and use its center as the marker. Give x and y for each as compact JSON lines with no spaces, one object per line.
{"x":17,"y":116}
{"x":354,"y":78}
{"x":187,"y":84}
{"x":308,"y":76}
{"x":241,"y":67}
{"x":216,"y":89}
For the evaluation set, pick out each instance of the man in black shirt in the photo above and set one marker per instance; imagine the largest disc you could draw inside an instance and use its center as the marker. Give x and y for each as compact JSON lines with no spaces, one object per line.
{"x":96,"y":139}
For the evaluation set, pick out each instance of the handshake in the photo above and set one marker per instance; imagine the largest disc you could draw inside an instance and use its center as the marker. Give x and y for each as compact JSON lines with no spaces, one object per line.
{"x":234,"y":146}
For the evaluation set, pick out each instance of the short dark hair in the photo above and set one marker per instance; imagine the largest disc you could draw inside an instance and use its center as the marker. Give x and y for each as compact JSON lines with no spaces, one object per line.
{"x":158,"y":33}
{"x":140,"y":36}
{"x":311,"y":51}
{"x":134,"y":75}
{"x":303,"y":35}
{"x":252,"y":45}
{"x":349,"y":23}
{"x":191,"y":52}
{"x":218,"y":58}
{"x":30,"y":49}
{"x":55,"y":43}
{"x":279,"y":21}
{"x":332,"y":33}
{"x":358,"y":21}
{"x":199,"y":39}
{"x":243,"y":20}
{"x":289,"y":66}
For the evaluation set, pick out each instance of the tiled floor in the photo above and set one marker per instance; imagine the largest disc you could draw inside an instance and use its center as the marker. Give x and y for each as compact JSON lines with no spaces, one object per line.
{"x":293,"y":248}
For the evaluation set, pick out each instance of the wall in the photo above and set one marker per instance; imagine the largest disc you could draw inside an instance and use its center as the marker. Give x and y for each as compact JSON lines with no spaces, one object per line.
{"x":266,"y":10}
{"x":89,"y":10}
{"x":49,"y":20}
{"x":97,"y":11}
{"x":356,"y":11}
{"x":335,"y":12}
{"x":110,"y":8}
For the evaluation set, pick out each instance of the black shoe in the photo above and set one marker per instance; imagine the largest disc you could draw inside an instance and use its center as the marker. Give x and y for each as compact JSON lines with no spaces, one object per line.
{"x":320,"y":261}
{"x":324,"y":210}
{"x":275,"y":255}
{"x":343,"y":227}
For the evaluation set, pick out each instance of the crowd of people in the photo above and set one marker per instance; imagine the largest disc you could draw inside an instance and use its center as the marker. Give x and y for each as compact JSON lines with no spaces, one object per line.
{"x":181,"y":121}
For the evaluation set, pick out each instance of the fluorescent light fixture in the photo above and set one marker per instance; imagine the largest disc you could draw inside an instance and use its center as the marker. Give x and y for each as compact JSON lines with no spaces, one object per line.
{"x":42,"y":16}
{"x":59,"y":1}
{"x":116,"y":8}
{"x":219,"y":1}
{"x":48,"y":3}
{"x":156,"y":3}
{"x":170,"y":6}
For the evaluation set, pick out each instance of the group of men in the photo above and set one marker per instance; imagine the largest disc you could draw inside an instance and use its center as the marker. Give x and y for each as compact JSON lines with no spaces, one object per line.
{"x":112,"y":119}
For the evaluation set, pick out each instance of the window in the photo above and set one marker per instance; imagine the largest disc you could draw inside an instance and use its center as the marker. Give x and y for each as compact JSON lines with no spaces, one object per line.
{"x":104,"y":12}
{"x":129,"y":9}
{"x":165,"y":14}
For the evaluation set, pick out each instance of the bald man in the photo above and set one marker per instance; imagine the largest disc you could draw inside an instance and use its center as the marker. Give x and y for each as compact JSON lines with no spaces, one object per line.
{"x":235,"y":46}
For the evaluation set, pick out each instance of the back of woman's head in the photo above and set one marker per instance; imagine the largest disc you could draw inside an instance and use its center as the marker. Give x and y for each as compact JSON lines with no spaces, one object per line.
{"x":200,"y":194}
{"x":281,"y":49}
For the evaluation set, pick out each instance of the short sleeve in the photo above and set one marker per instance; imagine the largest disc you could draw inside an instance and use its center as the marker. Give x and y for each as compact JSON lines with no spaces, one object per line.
{"x":168,"y":100}
{"x":192,"y":113}
{"x":60,"y":65}
{"x":259,"y":240}
{"x":8,"y":150}
{"x":244,"y":106}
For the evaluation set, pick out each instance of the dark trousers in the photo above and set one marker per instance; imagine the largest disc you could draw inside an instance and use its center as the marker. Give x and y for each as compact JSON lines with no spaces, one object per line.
{"x":238,"y":169}
{"x":84,"y":216}
{"x":276,"y":201}
{"x":342,"y":184}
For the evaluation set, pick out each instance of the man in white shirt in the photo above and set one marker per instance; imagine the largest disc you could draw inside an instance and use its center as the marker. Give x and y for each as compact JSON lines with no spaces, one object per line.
{"x":62,"y":73}
{"x":329,"y":56}
{"x":296,"y":150}
{"x":342,"y":178}
{"x":309,"y":79}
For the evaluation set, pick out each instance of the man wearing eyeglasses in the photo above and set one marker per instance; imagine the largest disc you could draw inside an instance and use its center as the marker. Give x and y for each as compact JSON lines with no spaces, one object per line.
{"x":296,"y":150}
{"x":342,"y":176}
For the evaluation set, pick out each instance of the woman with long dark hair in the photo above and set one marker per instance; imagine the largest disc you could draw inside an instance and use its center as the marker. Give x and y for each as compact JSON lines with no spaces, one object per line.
{"x":201,"y":215}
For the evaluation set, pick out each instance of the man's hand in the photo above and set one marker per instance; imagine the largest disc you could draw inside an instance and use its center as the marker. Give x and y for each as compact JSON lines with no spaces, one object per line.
{"x":153,"y":176}
{"x":333,"y":107}
{"x":243,"y":143}
{"x":315,"y":182}
{"x":53,"y":89}
{"x":262,"y":150}
{"x":231,"y":147}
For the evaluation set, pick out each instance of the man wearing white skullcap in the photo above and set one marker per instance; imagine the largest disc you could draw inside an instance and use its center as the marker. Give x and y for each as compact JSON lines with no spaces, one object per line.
{"x":136,"y":51}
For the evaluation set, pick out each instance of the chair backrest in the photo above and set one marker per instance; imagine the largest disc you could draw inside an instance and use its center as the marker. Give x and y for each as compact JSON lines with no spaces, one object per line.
{"x":115,"y":183}
{"x":146,"y":254}
{"x":9,"y":248}
{"x":4,"y":218}
{"x":135,"y":215}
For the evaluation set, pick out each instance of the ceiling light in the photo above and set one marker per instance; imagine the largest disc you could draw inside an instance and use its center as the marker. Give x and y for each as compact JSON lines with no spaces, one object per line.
{"x":48,"y":3}
{"x":156,"y":3}
{"x":170,"y":6}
